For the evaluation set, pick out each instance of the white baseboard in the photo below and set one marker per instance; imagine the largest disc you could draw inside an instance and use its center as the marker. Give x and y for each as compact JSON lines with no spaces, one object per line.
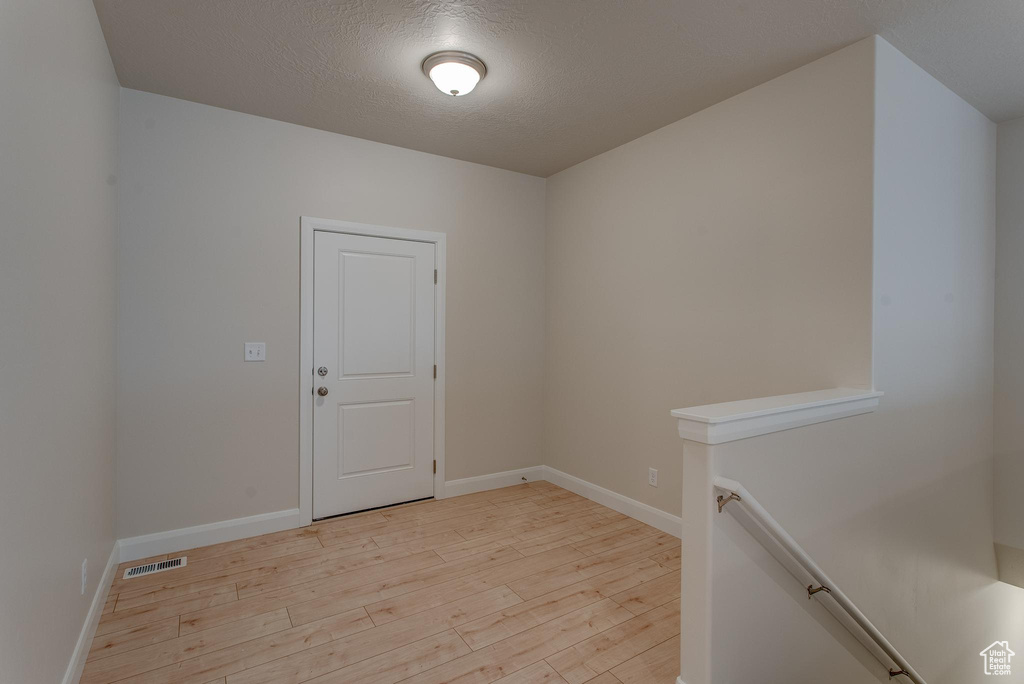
{"x":679,"y":680}
{"x":92,"y":618}
{"x":666,"y":522}
{"x":172,"y":541}
{"x":482,"y":483}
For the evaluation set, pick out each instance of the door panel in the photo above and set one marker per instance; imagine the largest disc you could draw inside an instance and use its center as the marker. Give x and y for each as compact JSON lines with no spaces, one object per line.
{"x":377,"y":331}
{"x":376,"y":437}
{"x":373,"y":332}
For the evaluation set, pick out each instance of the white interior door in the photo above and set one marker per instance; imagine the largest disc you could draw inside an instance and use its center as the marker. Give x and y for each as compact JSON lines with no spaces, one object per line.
{"x":373,"y":352}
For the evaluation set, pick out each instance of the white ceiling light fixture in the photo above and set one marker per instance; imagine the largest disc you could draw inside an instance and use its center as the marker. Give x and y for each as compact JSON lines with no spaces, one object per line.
{"x":454,"y":72}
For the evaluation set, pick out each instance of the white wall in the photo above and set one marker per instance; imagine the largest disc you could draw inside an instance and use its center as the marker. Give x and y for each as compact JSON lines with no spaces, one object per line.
{"x":725,"y":256}
{"x":935,"y":247}
{"x":897,"y":506}
{"x":58,"y":180}
{"x":1009,"y":396}
{"x":210,"y":259}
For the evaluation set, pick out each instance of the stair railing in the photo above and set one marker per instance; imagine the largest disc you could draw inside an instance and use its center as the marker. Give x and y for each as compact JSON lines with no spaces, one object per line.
{"x":783,"y":547}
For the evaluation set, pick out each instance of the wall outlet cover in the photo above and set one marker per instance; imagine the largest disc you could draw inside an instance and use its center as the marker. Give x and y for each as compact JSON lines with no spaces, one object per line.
{"x":255,"y":351}
{"x":652,"y":477}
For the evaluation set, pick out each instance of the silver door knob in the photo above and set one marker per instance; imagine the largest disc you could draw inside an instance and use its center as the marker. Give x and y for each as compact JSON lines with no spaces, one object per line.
{"x":322,"y":391}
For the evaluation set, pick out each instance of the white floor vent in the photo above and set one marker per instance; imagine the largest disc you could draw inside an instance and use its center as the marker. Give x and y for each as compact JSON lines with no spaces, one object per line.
{"x":150,"y":568}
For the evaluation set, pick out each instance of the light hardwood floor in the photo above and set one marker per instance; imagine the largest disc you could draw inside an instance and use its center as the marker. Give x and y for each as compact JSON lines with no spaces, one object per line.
{"x":520,"y":585}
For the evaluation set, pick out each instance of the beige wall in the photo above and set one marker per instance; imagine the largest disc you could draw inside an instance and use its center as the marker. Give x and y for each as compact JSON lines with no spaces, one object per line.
{"x":210,"y":259}
{"x":725,"y":256}
{"x":58,"y":180}
{"x":897,"y":506}
{"x":1009,"y":397}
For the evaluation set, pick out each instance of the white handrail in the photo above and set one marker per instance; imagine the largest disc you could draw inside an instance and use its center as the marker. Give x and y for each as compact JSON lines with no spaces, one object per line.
{"x":784,"y":540}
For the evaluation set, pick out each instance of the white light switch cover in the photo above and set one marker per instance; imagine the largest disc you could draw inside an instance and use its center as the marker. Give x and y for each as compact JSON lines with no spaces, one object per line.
{"x":255,"y":351}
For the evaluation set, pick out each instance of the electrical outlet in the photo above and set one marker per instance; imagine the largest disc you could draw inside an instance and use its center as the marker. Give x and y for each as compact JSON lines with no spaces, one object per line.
{"x":85,"y":575}
{"x":652,"y":477}
{"x":255,"y":351}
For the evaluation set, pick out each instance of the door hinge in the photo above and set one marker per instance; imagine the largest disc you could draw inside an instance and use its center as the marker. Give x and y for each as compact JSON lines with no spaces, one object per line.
{"x":435,"y":371}
{"x":435,"y":276}
{"x":435,"y":467}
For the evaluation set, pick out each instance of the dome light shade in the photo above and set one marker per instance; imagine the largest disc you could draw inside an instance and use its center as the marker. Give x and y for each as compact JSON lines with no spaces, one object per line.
{"x":453,"y":72}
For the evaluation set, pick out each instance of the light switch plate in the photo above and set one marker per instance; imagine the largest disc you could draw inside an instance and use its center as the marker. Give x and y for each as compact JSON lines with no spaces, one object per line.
{"x":255,"y":351}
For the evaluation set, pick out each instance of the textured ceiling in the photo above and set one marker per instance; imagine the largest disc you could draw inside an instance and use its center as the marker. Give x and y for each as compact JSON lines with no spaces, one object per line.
{"x":566,"y":80}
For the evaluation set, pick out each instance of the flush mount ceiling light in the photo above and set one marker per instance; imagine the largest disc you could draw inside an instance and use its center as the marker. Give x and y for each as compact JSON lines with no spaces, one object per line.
{"x":454,"y":72}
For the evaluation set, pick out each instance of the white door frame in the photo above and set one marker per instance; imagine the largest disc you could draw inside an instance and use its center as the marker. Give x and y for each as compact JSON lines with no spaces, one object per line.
{"x":307,"y":226}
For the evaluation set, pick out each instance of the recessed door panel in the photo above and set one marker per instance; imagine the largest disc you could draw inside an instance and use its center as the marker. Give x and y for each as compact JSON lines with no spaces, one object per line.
{"x":373,"y":351}
{"x":377,"y":331}
{"x":376,"y":437}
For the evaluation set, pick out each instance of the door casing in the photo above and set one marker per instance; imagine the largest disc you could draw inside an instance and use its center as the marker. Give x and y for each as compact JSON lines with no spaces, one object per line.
{"x":307,"y":227}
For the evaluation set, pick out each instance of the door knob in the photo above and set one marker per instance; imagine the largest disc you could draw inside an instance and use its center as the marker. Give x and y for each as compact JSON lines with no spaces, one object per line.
{"x":322,"y":391}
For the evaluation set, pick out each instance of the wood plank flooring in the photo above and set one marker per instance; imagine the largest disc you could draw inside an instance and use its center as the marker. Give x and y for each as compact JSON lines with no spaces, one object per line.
{"x":521,"y":585}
